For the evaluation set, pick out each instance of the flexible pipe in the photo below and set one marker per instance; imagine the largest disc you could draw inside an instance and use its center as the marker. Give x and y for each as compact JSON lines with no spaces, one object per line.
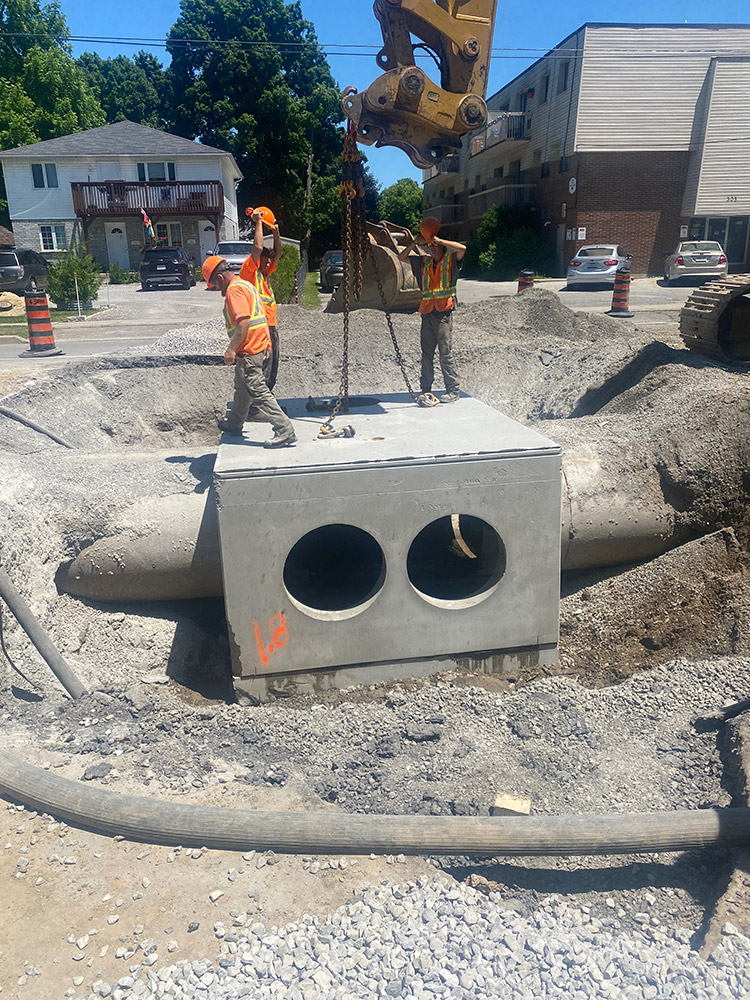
{"x":35,"y":427}
{"x":25,"y":617}
{"x":154,"y":822}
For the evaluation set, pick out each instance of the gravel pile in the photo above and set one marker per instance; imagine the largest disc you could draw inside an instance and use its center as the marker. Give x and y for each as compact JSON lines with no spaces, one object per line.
{"x":438,"y":939}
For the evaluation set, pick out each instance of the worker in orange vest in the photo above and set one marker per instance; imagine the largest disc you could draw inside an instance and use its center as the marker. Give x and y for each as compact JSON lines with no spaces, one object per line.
{"x":249,"y":347}
{"x":438,"y":272}
{"x":256,"y":269}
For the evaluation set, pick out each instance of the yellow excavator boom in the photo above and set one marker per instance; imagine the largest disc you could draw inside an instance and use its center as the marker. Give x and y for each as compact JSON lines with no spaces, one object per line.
{"x":404,"y":107}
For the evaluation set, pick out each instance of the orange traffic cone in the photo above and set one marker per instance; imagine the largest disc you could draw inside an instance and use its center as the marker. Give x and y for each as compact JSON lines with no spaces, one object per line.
{"x":41,"y":337}
{"x":525,"y":280}
{"x":621,"y":295}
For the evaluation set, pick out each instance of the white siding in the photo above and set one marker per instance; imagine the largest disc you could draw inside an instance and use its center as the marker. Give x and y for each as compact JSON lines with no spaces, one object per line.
{"x":641,"y":86}
{"x":723,"y":184}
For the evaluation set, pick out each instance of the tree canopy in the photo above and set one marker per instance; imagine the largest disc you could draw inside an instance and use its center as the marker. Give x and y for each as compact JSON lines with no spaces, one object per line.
{"x":267,"y":96}
{"x":401,"y":203}
{"x":127,"y":89}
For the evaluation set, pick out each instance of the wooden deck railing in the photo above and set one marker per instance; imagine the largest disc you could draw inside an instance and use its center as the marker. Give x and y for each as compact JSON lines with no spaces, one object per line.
{"x":114,"y":198}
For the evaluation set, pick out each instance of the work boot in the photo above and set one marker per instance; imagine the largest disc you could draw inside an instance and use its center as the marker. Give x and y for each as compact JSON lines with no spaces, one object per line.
{"x":449,"y":397}
{"x":281,"y":441}
{"x":228,"y":428}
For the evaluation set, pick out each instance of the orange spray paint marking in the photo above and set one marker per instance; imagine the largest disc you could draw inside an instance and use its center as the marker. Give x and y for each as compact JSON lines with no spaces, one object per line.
{"x":280,"y":636}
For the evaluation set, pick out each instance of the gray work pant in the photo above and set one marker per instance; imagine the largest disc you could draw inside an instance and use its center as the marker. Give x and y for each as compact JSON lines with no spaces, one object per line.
{"x":251,"y":390}
{"x":437,"y":332}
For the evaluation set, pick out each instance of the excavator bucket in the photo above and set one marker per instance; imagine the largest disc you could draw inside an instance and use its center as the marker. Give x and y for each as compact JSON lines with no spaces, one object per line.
{"x":387,"y":282}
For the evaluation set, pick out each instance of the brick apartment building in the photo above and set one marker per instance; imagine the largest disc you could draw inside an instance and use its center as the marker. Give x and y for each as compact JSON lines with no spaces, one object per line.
{"x":624,"y":133}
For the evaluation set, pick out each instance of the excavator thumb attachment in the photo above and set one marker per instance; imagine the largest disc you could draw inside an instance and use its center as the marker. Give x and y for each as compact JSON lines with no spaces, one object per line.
{"x":387,"y":282}
{"x":404,"y":107}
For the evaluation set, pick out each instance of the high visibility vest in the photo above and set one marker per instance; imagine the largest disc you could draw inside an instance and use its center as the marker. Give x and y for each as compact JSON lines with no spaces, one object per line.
{"x":255,"y":341}
{"x":250,"y":271}
{"x":443,"y":289}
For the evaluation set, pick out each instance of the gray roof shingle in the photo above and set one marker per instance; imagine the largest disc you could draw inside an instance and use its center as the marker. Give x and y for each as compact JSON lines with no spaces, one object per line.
{"x":120,"y":139}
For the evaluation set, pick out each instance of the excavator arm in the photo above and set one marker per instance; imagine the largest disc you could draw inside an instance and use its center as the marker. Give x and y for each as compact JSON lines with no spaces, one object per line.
{"x":404,"y":107}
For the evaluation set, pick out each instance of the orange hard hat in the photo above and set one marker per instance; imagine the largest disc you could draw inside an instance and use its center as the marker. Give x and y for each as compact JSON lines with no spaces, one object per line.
{"x":209,"y":266}
{"x":269,"y":219}
{"x":429,"y":227}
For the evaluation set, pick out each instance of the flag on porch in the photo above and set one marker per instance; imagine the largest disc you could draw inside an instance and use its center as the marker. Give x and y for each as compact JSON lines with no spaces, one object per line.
{"x":149,"y":225}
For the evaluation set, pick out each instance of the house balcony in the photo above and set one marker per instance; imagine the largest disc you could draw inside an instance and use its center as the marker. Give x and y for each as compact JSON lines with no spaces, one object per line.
{"x":503,"y":194}
{"x":512,"y":127}
{"x":115,"y":199}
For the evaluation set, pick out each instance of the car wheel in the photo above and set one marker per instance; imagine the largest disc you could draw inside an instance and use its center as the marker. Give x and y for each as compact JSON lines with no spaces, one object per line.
{"x":145,"y":286}
{"x":186,"y":284}
{"x":667,"y":279}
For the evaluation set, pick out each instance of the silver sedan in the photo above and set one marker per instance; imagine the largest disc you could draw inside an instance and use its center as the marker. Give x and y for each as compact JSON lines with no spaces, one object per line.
{"x":597,"y":265}
{"x":696,"y":259}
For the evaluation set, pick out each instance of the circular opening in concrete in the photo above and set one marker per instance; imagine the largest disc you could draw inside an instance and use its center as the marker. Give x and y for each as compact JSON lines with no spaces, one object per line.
{"x":334,"y":572}
{"x":456,"y":561}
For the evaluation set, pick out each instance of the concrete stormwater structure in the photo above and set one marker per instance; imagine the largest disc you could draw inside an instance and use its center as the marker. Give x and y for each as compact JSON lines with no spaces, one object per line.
{"x":431,"y":534}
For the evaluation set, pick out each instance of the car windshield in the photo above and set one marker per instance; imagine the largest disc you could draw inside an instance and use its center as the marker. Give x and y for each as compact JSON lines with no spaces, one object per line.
{"x":235,"y":248}
{"x":163,"y":254}
{"x":595,"y":252}
{"x":336,"y":258}
{"x":8,"y":260}
{"x":700,"y":245}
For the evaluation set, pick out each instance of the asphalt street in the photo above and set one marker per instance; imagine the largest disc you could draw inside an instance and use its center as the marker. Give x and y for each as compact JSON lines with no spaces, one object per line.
{"x":135,"y":317}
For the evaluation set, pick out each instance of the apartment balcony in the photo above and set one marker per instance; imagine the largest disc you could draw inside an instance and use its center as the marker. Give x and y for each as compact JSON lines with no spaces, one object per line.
{"x":512,"y":127}
{"x":447,"y":215}
{"x":448,"y":165}
{"x":503,"y":194}
{"x":115,"y":199}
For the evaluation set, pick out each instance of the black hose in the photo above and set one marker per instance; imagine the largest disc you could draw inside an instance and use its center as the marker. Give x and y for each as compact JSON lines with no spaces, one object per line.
{"x":154,"y":822}
{"x":35,"y":427}
{"x":25,"y":617}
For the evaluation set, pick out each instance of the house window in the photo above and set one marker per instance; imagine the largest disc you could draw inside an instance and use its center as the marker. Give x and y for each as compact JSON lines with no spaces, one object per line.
{"x":545,"y":170}
{"x":175,"y":234}
{"x":44,"y":175}
{"x":156,"y":171}
{"x":53,"y":238}
{"x":562,"y":76}
{"x":498,"y":172}
{"x":162,"y":232}
{"x":544,"y":90}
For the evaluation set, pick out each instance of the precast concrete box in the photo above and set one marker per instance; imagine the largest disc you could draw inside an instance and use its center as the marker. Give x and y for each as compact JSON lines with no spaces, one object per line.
{"x":430,"y":535}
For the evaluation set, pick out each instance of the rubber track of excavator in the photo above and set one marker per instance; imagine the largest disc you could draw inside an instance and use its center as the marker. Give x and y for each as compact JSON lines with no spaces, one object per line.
{"x":699,"y":317}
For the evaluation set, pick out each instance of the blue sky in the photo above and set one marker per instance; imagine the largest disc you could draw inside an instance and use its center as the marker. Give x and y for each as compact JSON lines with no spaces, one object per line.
{"x":523,"y":32}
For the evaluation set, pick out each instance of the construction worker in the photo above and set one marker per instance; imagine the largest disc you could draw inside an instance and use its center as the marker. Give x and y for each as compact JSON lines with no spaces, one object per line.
{"x":438,"y":272}
{"x":256,"y":269}
{"x":249,"y":346}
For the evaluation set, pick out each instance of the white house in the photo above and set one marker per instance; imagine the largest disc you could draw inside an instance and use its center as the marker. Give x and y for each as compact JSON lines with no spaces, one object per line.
{"x":95,"y":186}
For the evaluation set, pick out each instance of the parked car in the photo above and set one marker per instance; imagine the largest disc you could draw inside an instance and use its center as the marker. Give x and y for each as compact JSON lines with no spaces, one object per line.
{"x":165,"y":266}
{"x":331,"y":269}
{"x":597,"y":265}
{"x":695,"y":259}
{"x":235,"y":252}
{"x":22,"y":271}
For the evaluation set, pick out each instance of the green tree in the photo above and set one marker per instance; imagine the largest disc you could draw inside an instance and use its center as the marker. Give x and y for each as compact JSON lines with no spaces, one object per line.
{"x":127,"y":89}
{"x":268,"y":97}
{"x":401,"y":203}
{"x":43,"y":93}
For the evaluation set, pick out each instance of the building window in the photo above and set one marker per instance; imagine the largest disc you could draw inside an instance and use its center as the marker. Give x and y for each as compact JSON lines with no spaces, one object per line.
{"x":564,"y":164}
{"x":545,"y":170}
{"x":544,"y":90}
{"x":53,"y":238}
{"x":498,"y":171}
{"x":44,"y":175}
{"x":562,"y":76}
{"x":175,"y":234}
{"x":156,"y":171}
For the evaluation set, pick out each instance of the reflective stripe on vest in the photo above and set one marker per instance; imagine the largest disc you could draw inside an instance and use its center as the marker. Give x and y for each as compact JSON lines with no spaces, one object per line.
{"x":258,"y":315}
{"x":444,"y":290}
{"x":264,"y":289}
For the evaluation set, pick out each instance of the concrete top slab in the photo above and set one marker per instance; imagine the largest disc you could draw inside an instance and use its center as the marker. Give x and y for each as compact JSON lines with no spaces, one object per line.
{"x":391,"y":431}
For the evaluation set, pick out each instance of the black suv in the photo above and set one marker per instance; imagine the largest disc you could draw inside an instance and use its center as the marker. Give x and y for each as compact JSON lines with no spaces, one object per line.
{"x":165,"y":265}
{"x":22,"y":271}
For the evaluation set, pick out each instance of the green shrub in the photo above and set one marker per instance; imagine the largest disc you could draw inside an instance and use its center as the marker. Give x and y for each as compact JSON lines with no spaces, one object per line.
{"x":61,"y":283}
{"x":282,"y":279}
{"x":507,"y":243}
{"x":121,"y":275}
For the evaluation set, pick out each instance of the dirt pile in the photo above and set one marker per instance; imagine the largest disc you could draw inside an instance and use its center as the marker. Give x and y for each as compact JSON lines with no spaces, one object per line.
{"x":12,"y":305}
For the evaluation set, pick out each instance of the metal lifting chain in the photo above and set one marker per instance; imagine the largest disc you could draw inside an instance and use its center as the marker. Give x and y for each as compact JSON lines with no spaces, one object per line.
{"x":355,"y":244}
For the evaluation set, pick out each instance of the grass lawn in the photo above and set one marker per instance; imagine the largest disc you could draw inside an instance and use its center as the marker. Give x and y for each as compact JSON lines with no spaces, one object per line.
{"x":310,"y":294}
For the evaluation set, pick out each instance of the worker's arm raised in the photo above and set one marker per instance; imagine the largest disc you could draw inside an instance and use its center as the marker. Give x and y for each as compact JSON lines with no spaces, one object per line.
{"x":407,"y":249}
{"x":458,"y":248}
{"x":258,"y":237}
{"x":277,"y":247}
